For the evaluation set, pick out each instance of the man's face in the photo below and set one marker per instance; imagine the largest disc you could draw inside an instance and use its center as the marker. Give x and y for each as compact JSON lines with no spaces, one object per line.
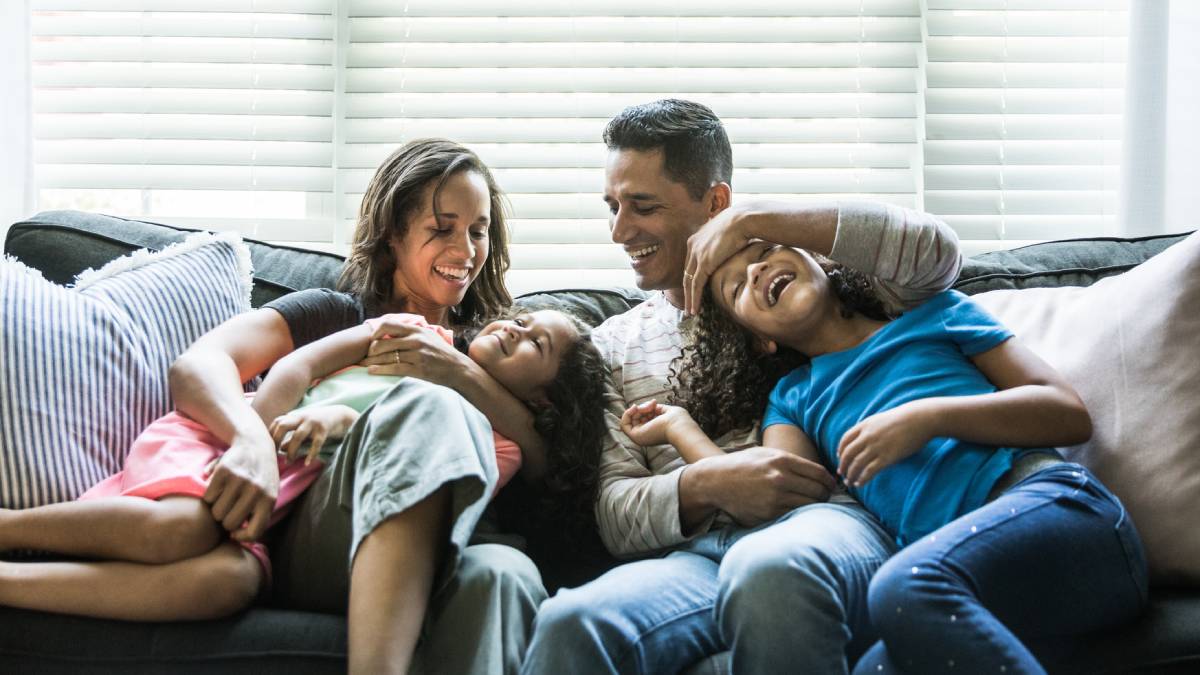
{"x":652,"y":216}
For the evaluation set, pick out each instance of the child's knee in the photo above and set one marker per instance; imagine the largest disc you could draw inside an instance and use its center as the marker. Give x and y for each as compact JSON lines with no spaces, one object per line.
{"x":178,"y":529}
{"x":227,"y":581}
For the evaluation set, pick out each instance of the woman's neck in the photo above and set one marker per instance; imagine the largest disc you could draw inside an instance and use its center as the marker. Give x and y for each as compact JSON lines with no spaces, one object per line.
{"x":435,"y":315}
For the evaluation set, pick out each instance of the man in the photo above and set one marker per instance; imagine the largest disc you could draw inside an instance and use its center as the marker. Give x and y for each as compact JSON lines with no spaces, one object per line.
{"x":752,"y":558}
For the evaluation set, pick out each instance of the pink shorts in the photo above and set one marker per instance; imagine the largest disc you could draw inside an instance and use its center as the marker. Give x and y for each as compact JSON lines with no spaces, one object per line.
{"x":169,"y":458}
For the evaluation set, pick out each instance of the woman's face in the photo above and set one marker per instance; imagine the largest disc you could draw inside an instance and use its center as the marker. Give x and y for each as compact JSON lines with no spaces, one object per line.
{"x":440,"y":255}
{"x":777,"y":292}
{"x":524,"y":353}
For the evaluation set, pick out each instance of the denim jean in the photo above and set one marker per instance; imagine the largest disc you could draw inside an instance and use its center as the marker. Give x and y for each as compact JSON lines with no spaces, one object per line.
{"x":1054,"y":555}
{"x":787,"y":596}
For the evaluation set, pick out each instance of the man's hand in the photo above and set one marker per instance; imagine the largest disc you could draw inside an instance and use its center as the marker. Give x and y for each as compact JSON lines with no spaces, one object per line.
{"x":759,"y":484}
{"x":243,"y":485}
{"x":714,"y":243}
{"x":881,"y":440}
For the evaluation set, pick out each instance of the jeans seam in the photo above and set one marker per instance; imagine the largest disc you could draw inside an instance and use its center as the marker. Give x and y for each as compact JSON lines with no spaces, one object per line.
{"x":633,"y":647}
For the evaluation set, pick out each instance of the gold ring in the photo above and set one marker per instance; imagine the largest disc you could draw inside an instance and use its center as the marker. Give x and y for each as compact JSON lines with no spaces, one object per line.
{"x":688,"y":274}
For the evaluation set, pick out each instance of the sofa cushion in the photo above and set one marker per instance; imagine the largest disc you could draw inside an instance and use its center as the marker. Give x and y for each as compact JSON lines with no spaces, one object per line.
{"x":1130,"y":345}
{"x":63,"y":243}
{"x":1070,"y":262}
{"x":84,"y":370}
{"x":260,"y":641}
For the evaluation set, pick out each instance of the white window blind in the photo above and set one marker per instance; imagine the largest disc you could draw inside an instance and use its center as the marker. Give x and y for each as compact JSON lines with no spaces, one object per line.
{"x":819,"y":99}
{"x":269,"y":116}
{"x":1023,"y":117}
{"x":207,"y":113}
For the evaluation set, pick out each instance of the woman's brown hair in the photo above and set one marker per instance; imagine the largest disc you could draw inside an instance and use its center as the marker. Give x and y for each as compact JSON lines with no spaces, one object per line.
{"x":393,"y":197}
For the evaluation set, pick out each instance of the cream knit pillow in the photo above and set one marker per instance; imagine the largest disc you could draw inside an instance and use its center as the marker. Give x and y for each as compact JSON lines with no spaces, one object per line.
{"x":1130,"y":345}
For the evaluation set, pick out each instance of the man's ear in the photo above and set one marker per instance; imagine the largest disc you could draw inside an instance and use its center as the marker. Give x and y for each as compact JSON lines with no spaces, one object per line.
{"x":719,"y":198}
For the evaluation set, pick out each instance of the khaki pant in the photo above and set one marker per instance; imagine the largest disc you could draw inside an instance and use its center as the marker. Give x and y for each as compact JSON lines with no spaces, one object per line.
{"x":416,"y":439}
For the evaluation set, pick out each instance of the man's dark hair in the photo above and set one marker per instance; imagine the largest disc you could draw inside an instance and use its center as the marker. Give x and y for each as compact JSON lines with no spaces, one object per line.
{"x":696,"y":151}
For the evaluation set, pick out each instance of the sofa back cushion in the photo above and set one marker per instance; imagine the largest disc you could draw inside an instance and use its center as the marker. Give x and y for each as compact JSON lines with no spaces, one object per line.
{"x":83,"y":370}
{"x":64,"y":243}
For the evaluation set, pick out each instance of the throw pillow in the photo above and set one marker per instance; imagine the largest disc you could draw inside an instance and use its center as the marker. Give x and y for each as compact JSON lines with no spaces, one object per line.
{"x":83,"y":370}
{"x":1130,"y":345}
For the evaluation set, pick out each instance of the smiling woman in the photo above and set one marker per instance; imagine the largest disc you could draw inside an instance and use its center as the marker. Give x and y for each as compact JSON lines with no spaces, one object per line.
{"x":384,"y":520}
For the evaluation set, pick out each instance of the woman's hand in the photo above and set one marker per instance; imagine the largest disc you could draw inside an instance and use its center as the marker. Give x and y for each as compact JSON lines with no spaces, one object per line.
{"x":652,"y":423}
{"x":242,"y":487}
{"x":714,"y":243}
{"x":882,"y":440}
{"x":316,"y":424}
{"x":412,"y":351}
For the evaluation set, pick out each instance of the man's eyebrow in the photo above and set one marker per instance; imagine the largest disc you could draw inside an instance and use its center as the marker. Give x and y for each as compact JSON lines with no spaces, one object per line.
{"x":643,"y":197}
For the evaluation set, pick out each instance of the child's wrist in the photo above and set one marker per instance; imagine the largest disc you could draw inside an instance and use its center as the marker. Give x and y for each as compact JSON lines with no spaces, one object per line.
{"x":682,"y":429}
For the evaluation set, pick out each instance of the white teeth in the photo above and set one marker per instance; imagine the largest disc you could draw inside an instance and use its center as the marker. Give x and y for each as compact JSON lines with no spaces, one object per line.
{"x":456,"y":273}
{"x":776,"y":283}
{"x":642,"y":252}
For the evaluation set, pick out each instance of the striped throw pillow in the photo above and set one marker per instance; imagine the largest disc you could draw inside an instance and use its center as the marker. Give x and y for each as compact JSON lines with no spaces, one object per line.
{"x":83,"y":370}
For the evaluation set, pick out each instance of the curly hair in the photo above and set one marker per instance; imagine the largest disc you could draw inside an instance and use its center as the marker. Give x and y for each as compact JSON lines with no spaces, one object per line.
{"x":722,"y":377}
{"x":394,"y":194}
{"x":560,"y":511}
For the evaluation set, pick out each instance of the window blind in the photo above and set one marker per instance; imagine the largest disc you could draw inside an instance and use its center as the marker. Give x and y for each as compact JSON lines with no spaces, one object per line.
{"x":819,"y":99}
{"x":269,"y":117}
{"x":206,"y":113}
{"x":1023,"y":117}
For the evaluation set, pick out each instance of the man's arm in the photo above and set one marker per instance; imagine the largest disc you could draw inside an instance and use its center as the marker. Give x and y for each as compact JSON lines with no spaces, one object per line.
{"x":911,"y":255}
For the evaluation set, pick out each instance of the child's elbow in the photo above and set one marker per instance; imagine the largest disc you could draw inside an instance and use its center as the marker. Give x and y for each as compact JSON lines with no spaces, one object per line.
{"x":1080,"y":424}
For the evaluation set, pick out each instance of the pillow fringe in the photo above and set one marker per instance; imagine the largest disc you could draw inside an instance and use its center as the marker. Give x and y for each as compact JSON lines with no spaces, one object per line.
{"x":146,"y":256}
{"x":21,"y":267}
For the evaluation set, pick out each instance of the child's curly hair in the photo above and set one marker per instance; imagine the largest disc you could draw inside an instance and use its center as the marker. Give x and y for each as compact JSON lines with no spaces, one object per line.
{"x":723,"y":379}
{"x":560,"y":511}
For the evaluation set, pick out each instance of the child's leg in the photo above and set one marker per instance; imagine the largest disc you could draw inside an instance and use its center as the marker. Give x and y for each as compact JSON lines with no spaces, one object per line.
{"x":209,"y":586}
{"x":390,"y":582}
{"x":115,"y":528}
{"x":1053,"y":556}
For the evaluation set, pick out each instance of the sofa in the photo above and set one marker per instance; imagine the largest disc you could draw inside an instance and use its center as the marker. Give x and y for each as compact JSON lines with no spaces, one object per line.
{"x":266,"y":639}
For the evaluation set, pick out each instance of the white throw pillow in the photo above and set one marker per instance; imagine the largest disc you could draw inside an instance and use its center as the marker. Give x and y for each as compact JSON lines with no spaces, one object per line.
{"x":83,"y":370}
{"x":1130,"y":345}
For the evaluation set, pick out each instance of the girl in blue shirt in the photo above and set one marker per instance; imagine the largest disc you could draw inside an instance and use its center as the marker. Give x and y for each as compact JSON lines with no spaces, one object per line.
{"x":943,"y":426}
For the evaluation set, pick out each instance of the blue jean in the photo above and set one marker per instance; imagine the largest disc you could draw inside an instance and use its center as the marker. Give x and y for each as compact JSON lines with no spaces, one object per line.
{"x":786,"y":595}
{"x":1054,"y":555}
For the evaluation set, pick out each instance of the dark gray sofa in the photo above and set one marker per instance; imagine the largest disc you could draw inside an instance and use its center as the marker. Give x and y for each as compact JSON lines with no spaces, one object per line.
{"x":271,"y":640}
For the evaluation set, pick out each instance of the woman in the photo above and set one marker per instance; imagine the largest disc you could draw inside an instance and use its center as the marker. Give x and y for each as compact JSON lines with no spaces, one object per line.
{"x":430,"y":240}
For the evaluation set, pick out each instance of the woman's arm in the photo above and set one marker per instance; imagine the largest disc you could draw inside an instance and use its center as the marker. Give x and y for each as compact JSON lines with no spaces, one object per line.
{"x":206,"y":383}
{"x":1032,"y":407}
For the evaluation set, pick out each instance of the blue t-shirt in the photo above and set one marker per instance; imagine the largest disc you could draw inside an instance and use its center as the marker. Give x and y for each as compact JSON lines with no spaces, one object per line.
{"x":922,"y":354}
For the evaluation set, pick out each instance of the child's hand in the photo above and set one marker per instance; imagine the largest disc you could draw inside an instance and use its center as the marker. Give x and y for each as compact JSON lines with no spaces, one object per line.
{"x":880,"y":441}
{"x":651,"y":422}
{"x":317,"y":424}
